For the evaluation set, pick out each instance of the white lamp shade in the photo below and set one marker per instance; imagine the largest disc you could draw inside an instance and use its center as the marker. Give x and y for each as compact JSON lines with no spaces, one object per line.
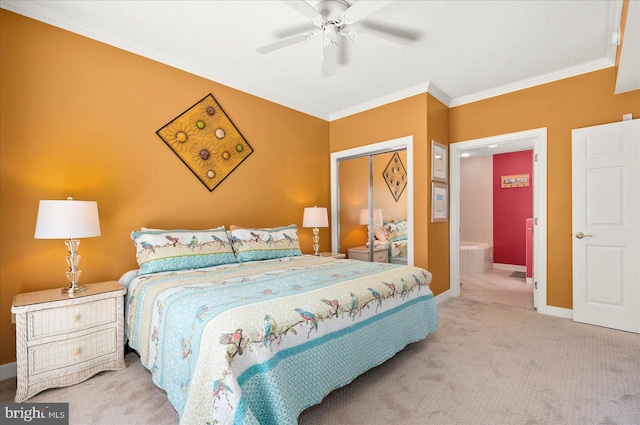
{"x":67,"y":219}
{"x":315,"y":217}
{"x":377,"y":216}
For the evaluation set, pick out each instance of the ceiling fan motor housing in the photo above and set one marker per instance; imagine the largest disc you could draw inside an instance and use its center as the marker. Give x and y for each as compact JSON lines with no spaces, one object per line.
{"x":332,"y":10}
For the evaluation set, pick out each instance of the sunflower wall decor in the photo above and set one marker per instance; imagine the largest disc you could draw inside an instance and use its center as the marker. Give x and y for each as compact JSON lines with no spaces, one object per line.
{"x":206,"y":140}
{"x":396,"y":176}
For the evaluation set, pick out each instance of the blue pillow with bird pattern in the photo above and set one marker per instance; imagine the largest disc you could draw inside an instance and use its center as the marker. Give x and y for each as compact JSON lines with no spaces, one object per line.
{"x":265,"y":244}
{"x":166,"y":250}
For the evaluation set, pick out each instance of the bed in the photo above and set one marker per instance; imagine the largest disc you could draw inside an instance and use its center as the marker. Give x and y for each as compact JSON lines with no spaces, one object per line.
{"x":265,"y":332}
{"x":393,"y":236}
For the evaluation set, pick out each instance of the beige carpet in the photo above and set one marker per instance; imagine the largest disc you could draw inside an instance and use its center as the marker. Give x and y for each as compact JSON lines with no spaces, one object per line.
{"x":486,"y":364}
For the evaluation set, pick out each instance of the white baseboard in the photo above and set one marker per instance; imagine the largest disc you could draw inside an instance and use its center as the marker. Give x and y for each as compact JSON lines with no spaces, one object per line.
{"x":443,"y":296}
{"x":9,"y":370}
{"x":565,"y":313}
{"x":512,"y":267}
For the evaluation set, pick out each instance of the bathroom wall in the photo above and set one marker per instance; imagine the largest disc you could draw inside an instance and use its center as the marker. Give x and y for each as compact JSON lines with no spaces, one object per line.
{"x":476,"y":199}
{"x":512,"y":206}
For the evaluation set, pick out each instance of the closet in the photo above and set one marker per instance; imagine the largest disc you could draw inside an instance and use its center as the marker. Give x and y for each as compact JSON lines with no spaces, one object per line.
{"x":371,"y":214}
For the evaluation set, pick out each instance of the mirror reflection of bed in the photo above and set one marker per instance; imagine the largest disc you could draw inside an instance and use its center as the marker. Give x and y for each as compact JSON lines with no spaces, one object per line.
{"x":390,"y":236}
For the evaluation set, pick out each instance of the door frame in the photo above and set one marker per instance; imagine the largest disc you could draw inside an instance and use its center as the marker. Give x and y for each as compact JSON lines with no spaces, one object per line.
{"x":405,"y":142}
{"x":537,"y":140}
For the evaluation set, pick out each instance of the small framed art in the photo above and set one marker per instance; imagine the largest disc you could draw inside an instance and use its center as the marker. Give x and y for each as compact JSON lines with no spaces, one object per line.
{"x":439,"y":161}
{"x":439,"y":202}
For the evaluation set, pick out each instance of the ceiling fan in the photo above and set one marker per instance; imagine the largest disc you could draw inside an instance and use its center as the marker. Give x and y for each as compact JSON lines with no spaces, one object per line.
{"x":333,"y":18}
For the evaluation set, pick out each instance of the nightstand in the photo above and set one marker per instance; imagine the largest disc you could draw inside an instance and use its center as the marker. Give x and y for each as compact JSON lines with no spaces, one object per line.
{"x":336,"y":255}
{"x":380,"y":254}
{"x":64,"y":339}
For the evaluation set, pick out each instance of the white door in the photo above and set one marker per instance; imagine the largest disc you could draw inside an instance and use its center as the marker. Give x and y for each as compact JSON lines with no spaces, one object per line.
{"x":606,"y":225}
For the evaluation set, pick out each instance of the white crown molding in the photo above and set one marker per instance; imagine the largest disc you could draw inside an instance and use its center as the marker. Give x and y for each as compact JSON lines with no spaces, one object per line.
{"x":571,"y":71}
{"x":31,"y":10}
{"x":383,"y":100}
{"x":439,"y":94}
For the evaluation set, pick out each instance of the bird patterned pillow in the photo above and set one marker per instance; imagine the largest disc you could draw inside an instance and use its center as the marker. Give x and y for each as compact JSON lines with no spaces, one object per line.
{"x":397,"y":230}
{"x":166,"y":250}
{"x":265,"y":244}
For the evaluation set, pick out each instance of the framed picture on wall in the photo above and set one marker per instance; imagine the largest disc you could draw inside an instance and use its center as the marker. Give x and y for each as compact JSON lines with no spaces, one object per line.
{"x":439,"y":161}
{"x":439,"y":202}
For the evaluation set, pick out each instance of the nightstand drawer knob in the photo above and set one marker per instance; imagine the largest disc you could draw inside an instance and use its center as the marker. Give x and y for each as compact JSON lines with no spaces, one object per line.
{"x":76,"y":351}
{"x":76,"y":318}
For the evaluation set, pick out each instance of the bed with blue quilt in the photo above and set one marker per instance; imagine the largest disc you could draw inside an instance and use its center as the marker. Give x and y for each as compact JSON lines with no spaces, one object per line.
{"x":256,"y":340}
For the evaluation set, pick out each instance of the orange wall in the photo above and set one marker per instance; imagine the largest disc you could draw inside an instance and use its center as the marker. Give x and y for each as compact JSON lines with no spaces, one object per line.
{"x":79,"y":119}
{"x":398,"y":119}
{"x":403,"y":118}
{"x":438,"y":240}
{"x":582,"y":101}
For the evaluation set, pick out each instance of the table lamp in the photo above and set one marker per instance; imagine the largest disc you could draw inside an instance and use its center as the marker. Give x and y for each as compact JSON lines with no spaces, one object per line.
{"x":315,"y":217}
{"x":377,"y":216}
{"x":68,"y":220}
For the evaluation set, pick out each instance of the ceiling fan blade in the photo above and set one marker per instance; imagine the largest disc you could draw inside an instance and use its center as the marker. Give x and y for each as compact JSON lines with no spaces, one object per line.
{"x":286,"y":42}
{"x":294,"y":30}
{"x":354,"y":35}
{"x":304,"y":8}
{"x":330,"y":60}
{"x":396,"y":31}
{"x":362,"y":9}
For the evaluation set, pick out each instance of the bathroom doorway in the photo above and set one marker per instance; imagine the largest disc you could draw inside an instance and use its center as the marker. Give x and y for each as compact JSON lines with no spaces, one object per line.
{"x":496,"y":200}
{"x":472,"y":252}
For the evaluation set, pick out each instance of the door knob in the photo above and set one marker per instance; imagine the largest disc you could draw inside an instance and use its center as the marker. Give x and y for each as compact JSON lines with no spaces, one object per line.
{"x":581,"y":235}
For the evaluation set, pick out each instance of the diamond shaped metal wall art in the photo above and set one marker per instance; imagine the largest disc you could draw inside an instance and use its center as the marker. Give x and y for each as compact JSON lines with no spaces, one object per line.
{"x":206,"y":140}
{"x":396,"y":176}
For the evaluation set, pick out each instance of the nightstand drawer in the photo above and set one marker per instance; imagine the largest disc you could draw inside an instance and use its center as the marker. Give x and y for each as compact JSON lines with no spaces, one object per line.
{"x":56,"y":355}
{"x":380,"y":256}
{"x":56,"y":321}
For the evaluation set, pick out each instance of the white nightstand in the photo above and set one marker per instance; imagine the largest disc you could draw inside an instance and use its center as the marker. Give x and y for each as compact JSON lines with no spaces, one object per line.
{"x":62,"y":340}
{"x":336,"y":255}
{"x":380,"y":254}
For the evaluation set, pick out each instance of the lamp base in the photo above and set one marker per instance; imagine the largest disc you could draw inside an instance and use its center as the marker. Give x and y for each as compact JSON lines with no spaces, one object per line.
{"x":73,"y":275}
{"x":316,"y":241}
{"x":74,"y":289}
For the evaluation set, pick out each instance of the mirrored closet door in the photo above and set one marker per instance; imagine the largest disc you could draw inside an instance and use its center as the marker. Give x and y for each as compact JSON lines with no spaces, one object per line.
{"x":371,"y":206}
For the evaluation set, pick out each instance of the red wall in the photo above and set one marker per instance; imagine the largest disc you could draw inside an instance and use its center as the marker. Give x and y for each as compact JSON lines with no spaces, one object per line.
{"x":511,"y":207}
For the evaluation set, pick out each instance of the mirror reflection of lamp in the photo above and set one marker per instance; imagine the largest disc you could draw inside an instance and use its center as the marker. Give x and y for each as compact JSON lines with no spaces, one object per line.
{"x":377,"y":218}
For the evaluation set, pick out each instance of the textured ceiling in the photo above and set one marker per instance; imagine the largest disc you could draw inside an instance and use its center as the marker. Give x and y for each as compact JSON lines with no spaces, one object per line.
{"x":462,"y":50}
